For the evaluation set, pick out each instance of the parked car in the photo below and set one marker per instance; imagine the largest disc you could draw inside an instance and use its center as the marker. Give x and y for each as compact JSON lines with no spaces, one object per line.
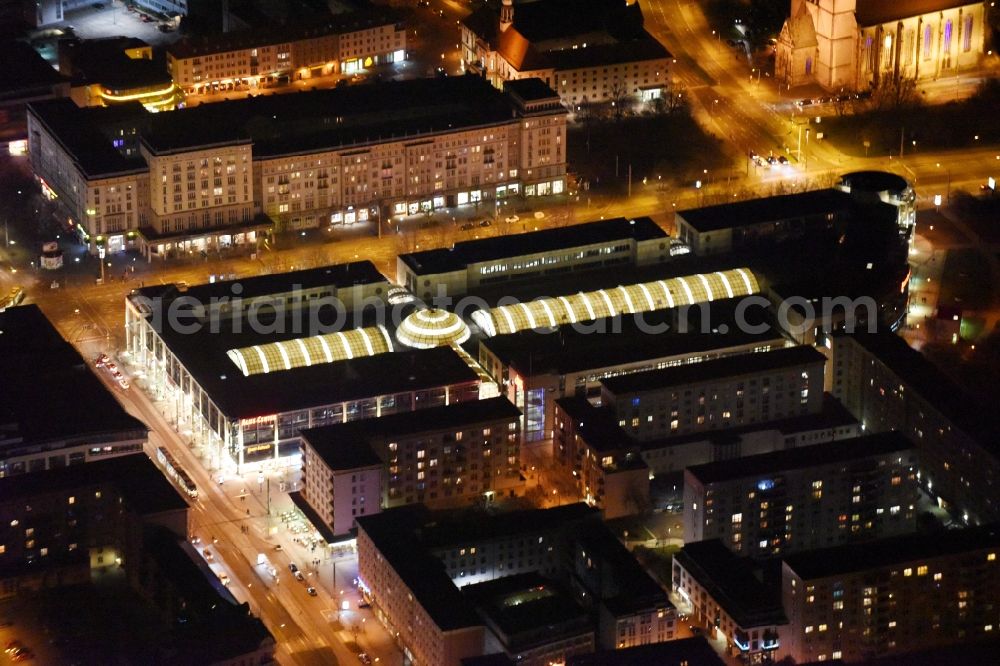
{"x":485,"y":223}
{"x":299,"y":577}
{"x":292,"y":567}
{"x":468,"y":226}
{"x":364,"y":658}
{"x":311,"y":591}
{"x":511,"y":219}
{"x":782,"y":159}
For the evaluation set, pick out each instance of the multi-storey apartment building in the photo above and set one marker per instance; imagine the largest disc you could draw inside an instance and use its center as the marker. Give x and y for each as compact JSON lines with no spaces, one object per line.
{"x":803,"y":498}
{"x":357,"y":155}
{"x":860,"y":601}
{"x":590,"y":52}
{"x":444,"y":455}
{"x":726,"y":592}
{"x":889,"y":386}
{"x":720,"y":393}
{"x":537,"y":368}
{"x":62,"y":525}
{"x":345,"y":43}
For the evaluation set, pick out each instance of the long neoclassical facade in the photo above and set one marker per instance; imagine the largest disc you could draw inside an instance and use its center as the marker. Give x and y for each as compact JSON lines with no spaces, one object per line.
{"x":851,"y":44}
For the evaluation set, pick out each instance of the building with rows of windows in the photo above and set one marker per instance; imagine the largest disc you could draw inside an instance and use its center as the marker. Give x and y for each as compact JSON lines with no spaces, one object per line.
{"x":807,"y":497}
{"x":344,"y":44}
{"x":194,"y":179}
{"x":452,"y":455}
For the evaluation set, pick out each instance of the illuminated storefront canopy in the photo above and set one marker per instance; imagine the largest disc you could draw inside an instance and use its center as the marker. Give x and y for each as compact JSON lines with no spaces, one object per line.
{"x":642,"y":297}
{"x":432,"y":328}
{"x":315,"y":350}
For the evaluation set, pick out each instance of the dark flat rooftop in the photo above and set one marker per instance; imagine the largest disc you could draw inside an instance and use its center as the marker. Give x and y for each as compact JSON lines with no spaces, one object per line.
{"x":333,"y":118}
{"x":459,"y":257}
{"x":57,"y":396}
{"x":957,"y":404}
{"x":630,"y":587}
{"x":691,"y":651}
{"x":31,"y":71}
{"x":875,"y":181}
{"x":444,"y":532}
{"x":530,"y":90}
{"x":344,"y":445}
{"x":767,"y":209}
{"x":728,"y":366}
{"x":637,"y":50}
{"x":546,"y":606}
{"x":892,"y":551}
{"x":143,"y":486}
{"x":79,"y":131}
{"x":392,"y":532}
{"x":731,"y":581}
{"x":335,"y":275}
{"x":803,"y":457}
{"x":597,"y":426}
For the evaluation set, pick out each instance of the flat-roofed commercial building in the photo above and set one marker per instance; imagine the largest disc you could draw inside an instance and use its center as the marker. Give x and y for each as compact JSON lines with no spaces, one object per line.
{"x":744,"y":225}
{"x":63,"y":525}
{"x":452,"y":455}
{"x":887,"y":385}
{"x":246,"y":390}
{"x":341,"y":44}
{"x":535,"y":368}
{"x":726,"y":592}
{"x":215,"y":175}
{"x":469,"y":265}
{"x":808,"y":497}
{"x":718,"y":393}
{"x":857,"y":602}
{"x":55,"y":411}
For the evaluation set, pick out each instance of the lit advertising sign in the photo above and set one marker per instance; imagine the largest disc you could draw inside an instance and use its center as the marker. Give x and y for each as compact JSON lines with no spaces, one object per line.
{"x":258,"y":421}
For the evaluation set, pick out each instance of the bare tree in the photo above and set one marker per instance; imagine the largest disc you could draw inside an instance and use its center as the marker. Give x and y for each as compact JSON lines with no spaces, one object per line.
{"x":619,"y":99}
{"x":891,"y":93}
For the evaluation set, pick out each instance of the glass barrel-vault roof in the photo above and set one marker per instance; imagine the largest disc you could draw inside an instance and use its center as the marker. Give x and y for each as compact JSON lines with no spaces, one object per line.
{"x":642,"y":297}
{"x":314,"y":350}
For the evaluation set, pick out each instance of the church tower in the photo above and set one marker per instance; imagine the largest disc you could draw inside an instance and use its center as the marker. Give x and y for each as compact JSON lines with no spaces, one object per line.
{"x":837,"y":42}
{"x":506,"y":14}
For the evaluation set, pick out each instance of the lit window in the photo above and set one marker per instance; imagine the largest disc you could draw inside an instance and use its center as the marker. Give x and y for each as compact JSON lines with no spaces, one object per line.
{"x":991,"y":557}
{"x":737,"y":518}
{"x":907,"y":571}
{"x":809,"y":629}
{"x":938,"y":576}
{"x":822,"y":627}
{"x":892,"y":624}
{"x":71,"y":500}
{"x":922,"y":570}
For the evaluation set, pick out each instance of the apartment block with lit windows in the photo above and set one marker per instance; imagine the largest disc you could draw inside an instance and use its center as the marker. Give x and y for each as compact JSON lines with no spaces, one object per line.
{"x":345,"y":44}
{"x":448,"y":455}
{"x":887,"y":385}
{"x":216,"y":175}
{"x":727,"y":592}
{"x":860,"y":601}
{"x":716,"y":394}
{"x":808,"y":497}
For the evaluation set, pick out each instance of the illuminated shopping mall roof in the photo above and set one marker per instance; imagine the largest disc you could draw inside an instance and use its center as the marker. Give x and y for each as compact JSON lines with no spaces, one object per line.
{"x":315,"y":350}
{"x":432,"y":328}
{"x":642,"y":297}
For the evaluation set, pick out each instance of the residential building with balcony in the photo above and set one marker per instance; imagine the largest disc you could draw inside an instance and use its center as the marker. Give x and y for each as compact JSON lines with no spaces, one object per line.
{"x":804,"y":498}
{"x":857,"y":602}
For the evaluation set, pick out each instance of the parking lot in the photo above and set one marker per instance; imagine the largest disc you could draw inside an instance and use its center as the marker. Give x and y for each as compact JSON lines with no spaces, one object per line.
{"x":115,"y":20}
